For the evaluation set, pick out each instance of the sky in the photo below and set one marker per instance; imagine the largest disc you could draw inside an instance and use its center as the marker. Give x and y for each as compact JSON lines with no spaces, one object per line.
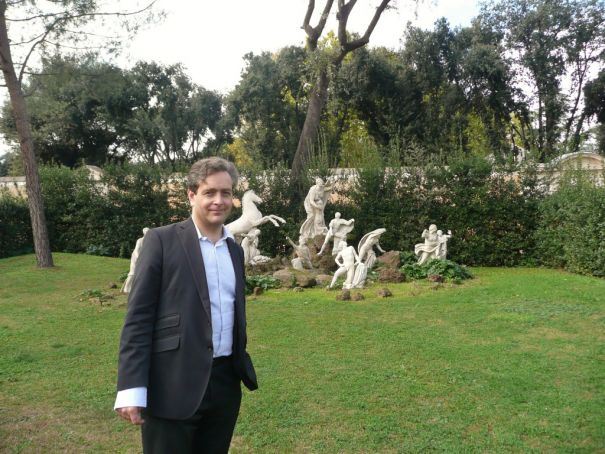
{"x":210,"y":37}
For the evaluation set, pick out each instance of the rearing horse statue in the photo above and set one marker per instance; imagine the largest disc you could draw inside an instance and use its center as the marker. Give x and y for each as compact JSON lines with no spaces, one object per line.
{"x":251,"y":216}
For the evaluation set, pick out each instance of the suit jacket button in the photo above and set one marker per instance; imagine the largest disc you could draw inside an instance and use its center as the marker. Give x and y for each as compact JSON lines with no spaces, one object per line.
{"x":209,"y":348}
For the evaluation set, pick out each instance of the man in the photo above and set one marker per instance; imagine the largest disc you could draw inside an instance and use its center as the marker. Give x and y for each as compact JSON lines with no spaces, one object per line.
{"x":183,"y":346}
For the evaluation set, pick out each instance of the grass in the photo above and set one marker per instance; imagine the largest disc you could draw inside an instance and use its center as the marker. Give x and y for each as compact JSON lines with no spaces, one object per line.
{"x":512,"y":361}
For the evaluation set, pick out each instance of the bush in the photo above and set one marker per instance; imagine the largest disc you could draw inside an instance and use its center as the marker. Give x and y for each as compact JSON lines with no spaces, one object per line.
{"x":107,"y":217}
{"x":15,"y":226}
{"x":264,"y":282}
{"x":446,"y":269}
{"x":571,"y":231}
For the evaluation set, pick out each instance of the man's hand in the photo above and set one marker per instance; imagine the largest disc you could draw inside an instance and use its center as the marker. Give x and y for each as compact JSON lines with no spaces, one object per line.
{"x":131,"y":414}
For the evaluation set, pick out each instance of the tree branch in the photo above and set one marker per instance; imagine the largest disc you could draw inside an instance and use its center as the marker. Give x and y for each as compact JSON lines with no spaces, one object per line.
{"x":365,"y":39}
{"x":343,"y":17}
{"x":31,"y":50}
{"x":65,"y":16}
{"x":313,"y":33}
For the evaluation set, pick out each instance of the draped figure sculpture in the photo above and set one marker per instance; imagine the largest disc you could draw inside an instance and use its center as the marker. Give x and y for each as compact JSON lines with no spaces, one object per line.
{"x":315,"y":203}
{"x":367,"y":256}
{"x":442,"y":240}
{"x":431,"y":246}
{"x":366,"y":247}
{"x":303,"y":254}
{"x":252,"y":255}
{"x":133,"y":262}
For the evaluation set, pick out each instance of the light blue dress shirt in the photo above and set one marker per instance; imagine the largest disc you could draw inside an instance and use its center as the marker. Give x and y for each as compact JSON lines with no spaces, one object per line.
{"x":220,"y":277}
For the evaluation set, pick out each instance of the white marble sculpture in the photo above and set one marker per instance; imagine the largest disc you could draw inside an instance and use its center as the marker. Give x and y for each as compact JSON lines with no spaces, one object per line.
{"x":361,"y":274}
{"x":346,"y":260}
{"x":315,"y":203}
{"x":251,"y":216}
{"x":337,"y":231}
{"x":252,"y":255}
{"x":303,"y":255}
{"x":133,"y":263}
{"x":431,"y":247}
{"x":442,"y":240}
{"x":366,"y":247}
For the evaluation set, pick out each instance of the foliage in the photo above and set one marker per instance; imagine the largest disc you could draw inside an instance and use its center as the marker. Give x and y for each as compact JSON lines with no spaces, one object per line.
{"x":173,"y":119}
{"x":107,"y":217}
{"x":491,"y":215}
{"x":495,"y":219}
{"x":445,"y":268}
{"x":15,"y":228}
{"x":553,"y":47}
{"x":264,"y":282}
{"x":571,"y":229}
{"x":266,"y":109}
{"x":85,"y":110}
{"x":78,"y":110}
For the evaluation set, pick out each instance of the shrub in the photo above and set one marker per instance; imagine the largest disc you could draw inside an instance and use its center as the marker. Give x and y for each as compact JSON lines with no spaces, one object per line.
{"x":15,"y":226}
{"x":571,"y":231}
{"x":264,"y":282}
{"x":446,"y":269}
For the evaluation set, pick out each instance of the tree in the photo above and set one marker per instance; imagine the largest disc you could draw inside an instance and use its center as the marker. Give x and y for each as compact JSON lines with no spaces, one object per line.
{"x":267,"y":106}
{"x":594,"y":105}
{"x":79,"y":108}
{"x":173,"y":118}
{"x":549,"y":43}
{"x":326,"y":65}
{"x":45,"y":25}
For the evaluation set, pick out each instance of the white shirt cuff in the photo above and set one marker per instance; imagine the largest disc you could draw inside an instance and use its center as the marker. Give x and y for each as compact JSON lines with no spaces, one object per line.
{"x":133,"y":397}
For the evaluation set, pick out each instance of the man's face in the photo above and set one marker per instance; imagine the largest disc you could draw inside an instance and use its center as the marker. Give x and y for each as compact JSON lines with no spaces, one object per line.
{"x":212,"y":202}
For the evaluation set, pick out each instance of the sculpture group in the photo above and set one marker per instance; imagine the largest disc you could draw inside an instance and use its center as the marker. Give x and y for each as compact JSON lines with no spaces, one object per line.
{"x":353,"y":264}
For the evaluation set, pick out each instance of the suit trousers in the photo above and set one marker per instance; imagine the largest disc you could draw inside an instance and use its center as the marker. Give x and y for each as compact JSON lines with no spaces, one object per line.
{"x":210,"y":429}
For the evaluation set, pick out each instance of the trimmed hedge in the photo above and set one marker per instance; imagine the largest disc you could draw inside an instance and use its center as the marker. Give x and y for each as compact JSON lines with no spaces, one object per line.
{"x":495,"y":220}
{"x":571,"y":230}
{"x":15,"y":226}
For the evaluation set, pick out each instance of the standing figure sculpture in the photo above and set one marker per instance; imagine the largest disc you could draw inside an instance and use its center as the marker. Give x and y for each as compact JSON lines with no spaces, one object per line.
{"x":338,"y":230}
{"x":303,"y":254}
{"x":315,"y":203}
{"x":366,"y":247}
{"x":346,"y":260}
{"x":133,"y":262}
{"x":430,"y":248}
{"x":443,"y":239}
{"x":251,"y":216}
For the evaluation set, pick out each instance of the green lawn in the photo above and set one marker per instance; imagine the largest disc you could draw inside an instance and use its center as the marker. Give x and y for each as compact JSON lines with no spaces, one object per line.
{"x":512,"y":361}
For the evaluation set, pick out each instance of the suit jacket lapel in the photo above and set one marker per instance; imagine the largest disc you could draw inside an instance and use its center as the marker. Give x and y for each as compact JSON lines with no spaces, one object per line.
{"x":191,"y":245}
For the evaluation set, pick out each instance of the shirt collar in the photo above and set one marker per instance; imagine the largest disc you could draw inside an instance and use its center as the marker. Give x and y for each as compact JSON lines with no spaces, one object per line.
{"x":226,"y":234}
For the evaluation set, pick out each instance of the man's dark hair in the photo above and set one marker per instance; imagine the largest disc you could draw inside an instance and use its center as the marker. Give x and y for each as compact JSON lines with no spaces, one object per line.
{"x":203,"y":168}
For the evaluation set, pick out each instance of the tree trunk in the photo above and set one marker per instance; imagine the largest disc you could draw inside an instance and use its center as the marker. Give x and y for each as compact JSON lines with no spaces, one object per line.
{"x":32,"y":180}
{"x":317,"y":101}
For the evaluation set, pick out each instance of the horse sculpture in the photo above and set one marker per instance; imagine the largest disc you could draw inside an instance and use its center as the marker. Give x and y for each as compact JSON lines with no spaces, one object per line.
{"x":251,"y":216}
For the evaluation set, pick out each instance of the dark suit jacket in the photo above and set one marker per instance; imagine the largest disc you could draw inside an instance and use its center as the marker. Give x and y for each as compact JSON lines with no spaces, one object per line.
{"x":166,"y":342}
